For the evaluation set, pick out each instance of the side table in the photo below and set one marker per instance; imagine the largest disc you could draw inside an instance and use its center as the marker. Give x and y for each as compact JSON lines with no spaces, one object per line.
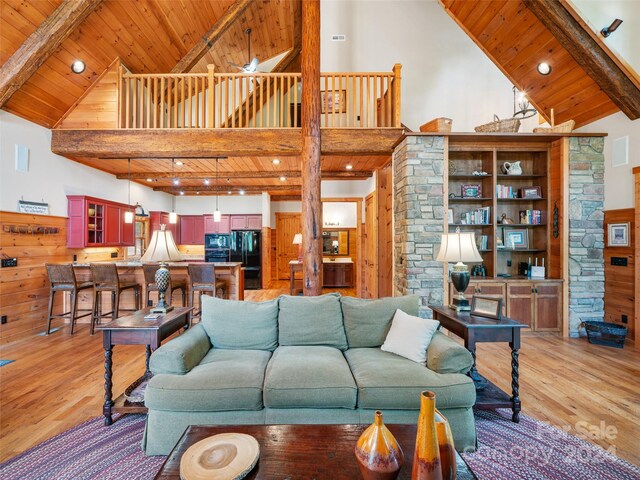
{"x":473,"y":329}
{"x":135,"y":330}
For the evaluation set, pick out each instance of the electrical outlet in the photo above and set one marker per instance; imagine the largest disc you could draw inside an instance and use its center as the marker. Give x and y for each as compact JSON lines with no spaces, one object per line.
{"x":114,"y":254}
{"x":619,"y":261}
{"x":625,"y":319}
{"x":508,"y":263}
{"x":4,"y":319}
{"x":9,"y":262}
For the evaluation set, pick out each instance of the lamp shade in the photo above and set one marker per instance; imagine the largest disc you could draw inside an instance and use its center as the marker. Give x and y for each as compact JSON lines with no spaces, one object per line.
{"x":297,"y":239}
{"x":162,"y":248}
{"x":458,"y":247}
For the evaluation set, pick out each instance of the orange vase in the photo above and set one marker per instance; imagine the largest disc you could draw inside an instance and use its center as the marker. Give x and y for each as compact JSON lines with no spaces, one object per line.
{"x":378,"y":453}
{"x":426,"y":459}
{"x":446,"y":447}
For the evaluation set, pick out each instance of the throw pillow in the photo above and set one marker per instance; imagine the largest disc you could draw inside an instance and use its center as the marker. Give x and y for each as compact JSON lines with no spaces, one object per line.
{"x":410,"y":336}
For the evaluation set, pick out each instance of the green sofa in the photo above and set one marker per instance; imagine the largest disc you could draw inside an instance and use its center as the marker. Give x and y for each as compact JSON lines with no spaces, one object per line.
{"x":300,"y":360}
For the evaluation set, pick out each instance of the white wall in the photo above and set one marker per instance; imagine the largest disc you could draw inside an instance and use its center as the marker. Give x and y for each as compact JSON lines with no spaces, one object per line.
{"x":344,"y":213}
{"x":618,"y":181}
{"x":51,"y":177}
{"x":283,"y":207}
{"x":444,"y":74}
{"x":228,"y":204}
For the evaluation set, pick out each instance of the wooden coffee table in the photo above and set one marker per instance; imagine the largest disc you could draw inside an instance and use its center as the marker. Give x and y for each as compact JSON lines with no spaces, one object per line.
{"x":302,"y":451}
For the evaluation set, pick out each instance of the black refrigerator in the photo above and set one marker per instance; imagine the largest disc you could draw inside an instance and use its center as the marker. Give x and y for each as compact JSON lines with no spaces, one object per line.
{"x":245,"y":248}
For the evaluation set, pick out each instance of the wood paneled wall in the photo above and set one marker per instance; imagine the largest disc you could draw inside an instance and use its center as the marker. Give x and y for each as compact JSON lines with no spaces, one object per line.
{"x":24,"y":290}
{"x":384,"y":180}
{"x":619,"y":282}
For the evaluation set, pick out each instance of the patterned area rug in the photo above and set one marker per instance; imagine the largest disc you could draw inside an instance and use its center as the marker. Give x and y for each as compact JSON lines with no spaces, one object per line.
{"x":529,"y":450}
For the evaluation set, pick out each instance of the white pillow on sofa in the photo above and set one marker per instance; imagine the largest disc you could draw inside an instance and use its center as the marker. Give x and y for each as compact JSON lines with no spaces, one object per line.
{"x":410,"y":336}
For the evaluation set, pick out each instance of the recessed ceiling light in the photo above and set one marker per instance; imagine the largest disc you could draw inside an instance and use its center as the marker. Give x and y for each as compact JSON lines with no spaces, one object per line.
{"x":349,"y":167}
{"x":176,"y":181}
{"x":206,"y":181}
{"x":275,"y":161}
{"x":149,"y":179}
{"x":229,"y":192}
{"x":78,"y":66}
{"x":544,"y":68}
{"x":282,"y":179}
{"x":197,"y":193}
{"x":181,"y":192}
{"x":179,"y":163}
{"x":241,"y":192}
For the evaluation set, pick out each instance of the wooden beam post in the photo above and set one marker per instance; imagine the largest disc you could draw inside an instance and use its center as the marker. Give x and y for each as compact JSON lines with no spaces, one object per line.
{"x":41,"y":44}
{"x":311,"y":199}
{"x":397,"y":95}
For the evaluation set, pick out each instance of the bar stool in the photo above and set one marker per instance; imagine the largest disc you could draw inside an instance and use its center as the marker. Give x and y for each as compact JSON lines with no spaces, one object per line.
{"x":63,"y":279}
{"x":202,"y":279}
{"x":150,"y":285}
{"x":106,"y":279}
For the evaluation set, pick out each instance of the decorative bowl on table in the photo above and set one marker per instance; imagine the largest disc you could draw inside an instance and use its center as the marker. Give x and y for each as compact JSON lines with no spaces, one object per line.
{"x":226,"y":456}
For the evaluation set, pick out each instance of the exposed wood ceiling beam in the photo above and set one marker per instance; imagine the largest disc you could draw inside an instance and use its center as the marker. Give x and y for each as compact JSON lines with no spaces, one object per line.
{"x":588,"y":54}
{"x":351,"y":174}
{"x":227,"y":188}
{"x":41,"y":44}
{"x":202,"y":46}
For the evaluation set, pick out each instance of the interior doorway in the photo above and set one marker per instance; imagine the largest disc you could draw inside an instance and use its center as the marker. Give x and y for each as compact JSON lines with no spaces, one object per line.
{"x":287,"y":225}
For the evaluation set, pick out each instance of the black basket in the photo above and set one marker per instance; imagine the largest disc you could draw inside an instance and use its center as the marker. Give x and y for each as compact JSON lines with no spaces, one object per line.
{"x":609,"y":334}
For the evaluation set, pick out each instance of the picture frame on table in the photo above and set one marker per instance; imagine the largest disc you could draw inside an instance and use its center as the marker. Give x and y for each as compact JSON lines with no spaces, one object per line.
{"x":489,"y":307}
{"x":472,"y":191}
{"x":531,"y":192}
{"x":516,"y":239}
{"x":618,"y":235}
{"x":333,"y":101}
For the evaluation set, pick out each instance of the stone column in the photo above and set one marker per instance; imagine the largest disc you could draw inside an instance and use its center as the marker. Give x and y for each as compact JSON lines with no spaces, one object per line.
{"x":586,"y":231}
{"x":418,"y":184}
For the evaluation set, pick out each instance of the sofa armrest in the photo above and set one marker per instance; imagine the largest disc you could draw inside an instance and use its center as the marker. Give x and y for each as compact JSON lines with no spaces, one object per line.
{"x":179,"y":355}
{"x":445,"y":355}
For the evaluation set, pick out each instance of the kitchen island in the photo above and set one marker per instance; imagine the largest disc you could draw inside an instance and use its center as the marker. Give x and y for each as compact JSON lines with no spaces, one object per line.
{"x":131,"y":271}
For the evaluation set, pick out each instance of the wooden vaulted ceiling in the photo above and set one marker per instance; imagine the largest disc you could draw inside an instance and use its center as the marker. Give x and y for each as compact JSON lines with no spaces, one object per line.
{"x":150,"y":36}
{"x":587,"y":81}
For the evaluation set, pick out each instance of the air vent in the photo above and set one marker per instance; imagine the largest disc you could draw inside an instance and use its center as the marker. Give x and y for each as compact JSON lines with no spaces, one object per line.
{"x":338,"y":38}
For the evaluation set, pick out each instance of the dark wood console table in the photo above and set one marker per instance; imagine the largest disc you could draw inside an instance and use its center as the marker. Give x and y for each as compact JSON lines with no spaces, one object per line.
{"x":135,"y":330}
{"x":473,"y":329}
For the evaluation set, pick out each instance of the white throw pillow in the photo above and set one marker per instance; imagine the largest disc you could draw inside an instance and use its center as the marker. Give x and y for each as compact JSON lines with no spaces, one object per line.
{"x":410,"y":336}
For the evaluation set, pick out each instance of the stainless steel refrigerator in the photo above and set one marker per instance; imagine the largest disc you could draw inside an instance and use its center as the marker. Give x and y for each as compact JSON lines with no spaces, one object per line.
{"x":246,"y":248}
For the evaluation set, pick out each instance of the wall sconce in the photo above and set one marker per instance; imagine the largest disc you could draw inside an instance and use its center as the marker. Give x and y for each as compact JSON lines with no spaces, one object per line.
{"x":606,"y":31}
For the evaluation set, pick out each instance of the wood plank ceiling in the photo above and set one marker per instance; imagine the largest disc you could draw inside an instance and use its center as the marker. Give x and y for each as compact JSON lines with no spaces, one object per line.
{"x":516,"y":41}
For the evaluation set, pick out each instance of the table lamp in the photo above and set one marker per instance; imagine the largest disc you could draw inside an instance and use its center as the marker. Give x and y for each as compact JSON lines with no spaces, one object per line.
{"x":458,"y":248}
{"x":162,"y":248}
{"x":297,"y":240}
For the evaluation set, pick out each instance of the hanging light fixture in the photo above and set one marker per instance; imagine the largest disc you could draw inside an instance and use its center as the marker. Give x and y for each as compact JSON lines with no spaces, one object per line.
{"x":216,"y":214}
{"x":173,"y":217}
{"x":128,"y":215}
{"x":521,"y":106}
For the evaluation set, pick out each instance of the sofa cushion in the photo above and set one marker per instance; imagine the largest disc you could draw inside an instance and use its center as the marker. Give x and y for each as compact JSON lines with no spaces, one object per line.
{"x":225,"y":380}
{"x":367,"y":322}
{"x":227,"y":322}
{"x":388,"y":381}
{"x":445,"y":355}
{"x":310,"y":376}
{"x":311,"y":321}
{"x":410,"y":336}
{"x":182,"y":353}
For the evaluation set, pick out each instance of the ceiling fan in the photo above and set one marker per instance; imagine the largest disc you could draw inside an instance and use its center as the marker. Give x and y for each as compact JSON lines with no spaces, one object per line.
{"x":252,"y":64}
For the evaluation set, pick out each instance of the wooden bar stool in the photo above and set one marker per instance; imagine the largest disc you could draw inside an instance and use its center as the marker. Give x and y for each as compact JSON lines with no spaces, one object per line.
{"x":202,"y":279}
{"x":63,"y":279}
{"x":150,"y":284}
{"x":106,"y":279}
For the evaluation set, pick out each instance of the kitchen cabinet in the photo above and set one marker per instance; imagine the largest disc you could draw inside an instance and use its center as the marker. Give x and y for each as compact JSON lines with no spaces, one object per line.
{"x":191,"y":230}
{"x":246,"y":222}
{"x":223,"y":226}
{"x":337,"y":274}
{"x":93,"y":222}
{"x":162,"y":218}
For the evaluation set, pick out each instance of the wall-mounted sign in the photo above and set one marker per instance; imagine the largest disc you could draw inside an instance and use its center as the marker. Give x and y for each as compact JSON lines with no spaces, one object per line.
{"x":33,"y":207}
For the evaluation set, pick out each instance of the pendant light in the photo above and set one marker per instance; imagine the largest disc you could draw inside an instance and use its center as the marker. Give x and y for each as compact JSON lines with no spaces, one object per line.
{"x":173,"y":217}
{"x":216,"y":214}
{"x":128,"y":215}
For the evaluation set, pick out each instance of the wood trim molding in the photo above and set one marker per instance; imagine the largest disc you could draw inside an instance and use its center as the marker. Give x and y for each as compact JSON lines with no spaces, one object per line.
{"x":328,"y":174}
{"x":589,"y":54}
{"x":636,"y":172}
{"x":41,"y":44}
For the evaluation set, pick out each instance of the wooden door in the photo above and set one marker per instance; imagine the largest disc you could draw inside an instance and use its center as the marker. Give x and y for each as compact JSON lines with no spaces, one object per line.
{"x":520,"y":305}
{"x":370,"y":247}
{"x":287,"y":225}
{"x":548,"y":307}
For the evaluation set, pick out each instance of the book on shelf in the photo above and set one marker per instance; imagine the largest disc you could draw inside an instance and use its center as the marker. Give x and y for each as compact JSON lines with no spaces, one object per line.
{"x":476,"y":217}
{"x":506,"y":191}
{"x":482,"y":242}
{"x":531,"y":217}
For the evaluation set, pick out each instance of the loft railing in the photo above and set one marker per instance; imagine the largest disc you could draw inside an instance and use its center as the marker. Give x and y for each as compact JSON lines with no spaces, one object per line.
{"x":257,"y":100}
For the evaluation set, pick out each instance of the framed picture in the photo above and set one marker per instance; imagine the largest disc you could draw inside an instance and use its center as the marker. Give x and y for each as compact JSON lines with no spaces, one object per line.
{"x":530,"y":192}
{"x":471,"y":191}
{"x":618,"y":235}
{"x":517,"y":239}
{"x":450,"y":216}
{"x":333,"y":101}
{"x":489,"y":307}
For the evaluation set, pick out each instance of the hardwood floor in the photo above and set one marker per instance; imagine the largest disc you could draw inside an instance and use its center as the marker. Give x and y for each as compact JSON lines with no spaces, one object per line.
{"x":56,"y":382}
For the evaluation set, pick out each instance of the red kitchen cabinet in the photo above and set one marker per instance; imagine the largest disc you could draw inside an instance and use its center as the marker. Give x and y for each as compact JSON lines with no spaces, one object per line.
{"x":223,"y":226}
{"x":162,"y":218}
{"x":191,"y":230}
{"x":94,"y":222}
{"x":246,"y":222}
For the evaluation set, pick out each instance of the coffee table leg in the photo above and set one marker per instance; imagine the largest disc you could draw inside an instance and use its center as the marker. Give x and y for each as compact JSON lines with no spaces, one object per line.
{"x":515,"y":385}
{"x":108,"y":384}
{"x":148,"y":353}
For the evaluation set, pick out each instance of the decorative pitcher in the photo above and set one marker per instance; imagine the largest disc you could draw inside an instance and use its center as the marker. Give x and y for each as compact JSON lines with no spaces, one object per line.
{"x":378,"y":453}
{"x":512,"y":168}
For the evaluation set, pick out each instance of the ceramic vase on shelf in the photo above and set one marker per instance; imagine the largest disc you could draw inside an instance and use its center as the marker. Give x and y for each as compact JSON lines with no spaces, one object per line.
{"x":434,"y":457}
{"x":378,"y":454}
